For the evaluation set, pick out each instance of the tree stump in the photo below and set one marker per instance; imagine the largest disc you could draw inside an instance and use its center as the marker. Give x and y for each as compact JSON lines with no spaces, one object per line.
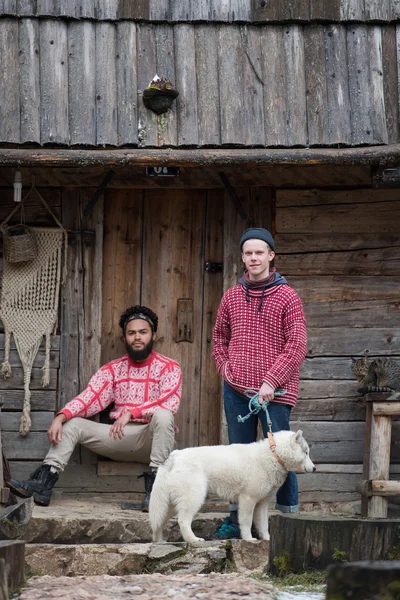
{"x":370,"y":580}
{"x":305,"y":541}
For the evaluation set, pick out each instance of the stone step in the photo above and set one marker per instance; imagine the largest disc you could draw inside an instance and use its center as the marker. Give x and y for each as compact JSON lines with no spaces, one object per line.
{"x":116,"y":527}
{"x":121,"y":559}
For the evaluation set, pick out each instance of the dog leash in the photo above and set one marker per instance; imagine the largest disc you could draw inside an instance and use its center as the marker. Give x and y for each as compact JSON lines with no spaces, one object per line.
{"x":254,"y":409}
{"x":255,"y":406}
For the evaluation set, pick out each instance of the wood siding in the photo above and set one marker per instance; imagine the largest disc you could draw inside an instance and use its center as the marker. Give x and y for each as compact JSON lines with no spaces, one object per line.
{"x":206,"y":10}
{"x":322,"y":85}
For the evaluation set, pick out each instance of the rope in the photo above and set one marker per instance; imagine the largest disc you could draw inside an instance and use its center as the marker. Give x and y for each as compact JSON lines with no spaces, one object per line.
{"x":255,"y":406}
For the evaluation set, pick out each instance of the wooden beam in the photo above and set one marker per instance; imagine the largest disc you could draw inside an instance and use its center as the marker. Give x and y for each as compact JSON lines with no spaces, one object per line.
{"x":385,"y":488}
{"x":371,"y":155}
{"x":386,"y":408}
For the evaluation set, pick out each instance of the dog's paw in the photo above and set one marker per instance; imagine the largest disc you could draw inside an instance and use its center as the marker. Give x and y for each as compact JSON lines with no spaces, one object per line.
{"x":250,"y":539}
{"x":194,"y":540}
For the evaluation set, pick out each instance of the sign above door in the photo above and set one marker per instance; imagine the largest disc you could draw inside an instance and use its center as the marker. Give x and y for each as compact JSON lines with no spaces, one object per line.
{"x":162,"y":171}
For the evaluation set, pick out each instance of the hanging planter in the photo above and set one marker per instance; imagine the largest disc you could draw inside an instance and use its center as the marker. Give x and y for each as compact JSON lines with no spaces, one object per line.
{"x":159,"y":95}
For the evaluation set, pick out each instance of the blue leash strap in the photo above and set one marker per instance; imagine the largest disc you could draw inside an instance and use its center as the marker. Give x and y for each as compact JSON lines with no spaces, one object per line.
{"x":255,"y":406}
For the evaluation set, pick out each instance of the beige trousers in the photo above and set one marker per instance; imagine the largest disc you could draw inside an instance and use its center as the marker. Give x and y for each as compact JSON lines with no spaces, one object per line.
{"x":150,"y":443}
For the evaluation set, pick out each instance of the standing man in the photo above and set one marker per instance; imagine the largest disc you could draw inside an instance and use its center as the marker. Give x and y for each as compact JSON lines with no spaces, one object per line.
{"x":144,"y":386}
{"x":260,"y":341}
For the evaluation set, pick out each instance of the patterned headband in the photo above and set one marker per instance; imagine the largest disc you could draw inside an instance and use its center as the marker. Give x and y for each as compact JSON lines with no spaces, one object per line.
{"x":139,"y":316}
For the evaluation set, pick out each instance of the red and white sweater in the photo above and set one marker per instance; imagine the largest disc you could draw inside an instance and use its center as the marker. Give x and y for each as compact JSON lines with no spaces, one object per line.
{"x":142,"y":388}
{"x":252,"y":346}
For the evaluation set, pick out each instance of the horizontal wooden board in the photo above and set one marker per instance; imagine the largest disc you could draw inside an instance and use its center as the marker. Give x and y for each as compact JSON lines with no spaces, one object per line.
{"x":344,"y":341}
{"x":329,"y":409}
{"x":41,"y":420}
{"x":382,"y":261}
{"x":343,"y":289}
{"x":15,"y":360}
{"x":16,"y":381}
{"x":327,"y":368}
{"x":42,"y":399}
{"x":294,"y":243}
{"x":317,"y":197}
{"x":32,"y":447}
{"x":355,"y":314}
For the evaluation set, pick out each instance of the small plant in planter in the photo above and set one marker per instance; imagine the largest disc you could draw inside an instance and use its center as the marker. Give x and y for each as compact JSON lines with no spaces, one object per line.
{"x":159,"y":95}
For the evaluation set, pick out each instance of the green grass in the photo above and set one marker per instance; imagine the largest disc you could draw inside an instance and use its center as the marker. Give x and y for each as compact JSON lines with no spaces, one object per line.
{"x":311,"y":581}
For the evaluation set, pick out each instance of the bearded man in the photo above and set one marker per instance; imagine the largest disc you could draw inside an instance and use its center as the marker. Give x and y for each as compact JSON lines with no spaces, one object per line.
{"x":144,"y":386}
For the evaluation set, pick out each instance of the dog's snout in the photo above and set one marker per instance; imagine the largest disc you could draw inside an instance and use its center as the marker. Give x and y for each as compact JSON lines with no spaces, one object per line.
{"x":314,"y":468}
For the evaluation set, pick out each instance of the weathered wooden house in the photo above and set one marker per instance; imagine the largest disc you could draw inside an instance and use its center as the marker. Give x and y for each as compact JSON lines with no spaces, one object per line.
{"x":287,"y":117}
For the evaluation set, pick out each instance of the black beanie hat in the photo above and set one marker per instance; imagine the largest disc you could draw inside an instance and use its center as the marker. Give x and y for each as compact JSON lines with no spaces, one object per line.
{"x":257,"y":233}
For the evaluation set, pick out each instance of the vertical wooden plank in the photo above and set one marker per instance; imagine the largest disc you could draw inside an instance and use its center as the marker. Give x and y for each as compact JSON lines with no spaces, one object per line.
{"x":241,"y":10}
{"x":26,"y":8}
{"x":207,"y":84}
{"x":54,"y":82}
{"x":185,"y":69}
{"x":394,"y":9}
{"x":10,"y":130}
{"x":180,"y":11}
{"x":127,"y":83}
{"x":254,"y":134}
{"x":274,"y":78}
{"x":106,"y":9}
{"x":337,"y":84}
{"x":92,"y":263}
{"x":82,"y":72}
{"x":317,"y":98}
{"x":326,"y":10}
{"x":376,"y":10}
{"x":359,"y":85}
{"x":8,"y":7}
{"x":160,"y":10}
{"x":295,"y":90}
{"x":48,"y":8}
{"x":200,"y":10}
{"x":290,"y":10}
{"x":167,"y":126}
{"x":352,"y":10}
{"x":367,"y":454}
{"x":220,"y":10}
{"x":210,"y":417}
{"x":86,"y":9}
{"x":231,"y":88}
{"x":123,"y":223}
{"x":69,"y":8}
{"x":106,"y":85}
{"x":378,"y":113}
{"x":29,"y":77}
{"x":174,"y":229}
{"x":71,"y":306}
{"x":146,"y":53}
{"x":381,"y":434}
{"x":390,"y":82}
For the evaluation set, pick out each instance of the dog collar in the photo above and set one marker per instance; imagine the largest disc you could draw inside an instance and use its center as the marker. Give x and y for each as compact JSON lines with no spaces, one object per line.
{"x":272,"y":445}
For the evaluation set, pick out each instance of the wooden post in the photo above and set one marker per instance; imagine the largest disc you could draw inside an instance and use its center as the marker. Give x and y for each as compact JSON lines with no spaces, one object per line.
{"x":379,"y":462}
{"x":366,"y":459}
{"x":4,"y":492}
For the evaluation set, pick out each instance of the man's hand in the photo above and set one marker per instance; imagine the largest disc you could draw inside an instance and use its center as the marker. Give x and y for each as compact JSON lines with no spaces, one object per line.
{"x":266,"y":392}
{"x":117,"y":428}
{"x":54,"y":432}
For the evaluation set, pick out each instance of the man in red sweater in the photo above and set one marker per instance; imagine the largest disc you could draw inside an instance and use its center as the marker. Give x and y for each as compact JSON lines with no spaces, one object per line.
{"x":260,"y":341}
{"x":145,"y":390}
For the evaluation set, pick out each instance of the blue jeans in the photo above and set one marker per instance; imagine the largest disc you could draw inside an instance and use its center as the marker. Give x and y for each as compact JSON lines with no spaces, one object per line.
{"x":287,"y":497}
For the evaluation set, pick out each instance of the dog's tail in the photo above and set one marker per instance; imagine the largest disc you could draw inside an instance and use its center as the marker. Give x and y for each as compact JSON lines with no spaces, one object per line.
{"x":159,"y":507}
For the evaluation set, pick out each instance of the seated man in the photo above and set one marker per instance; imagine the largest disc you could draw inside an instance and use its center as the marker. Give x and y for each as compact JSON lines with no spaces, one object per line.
{"x":144,"y":386}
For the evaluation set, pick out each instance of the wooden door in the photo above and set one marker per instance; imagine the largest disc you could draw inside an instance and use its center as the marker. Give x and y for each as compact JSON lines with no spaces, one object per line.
{"x":156,"y":244}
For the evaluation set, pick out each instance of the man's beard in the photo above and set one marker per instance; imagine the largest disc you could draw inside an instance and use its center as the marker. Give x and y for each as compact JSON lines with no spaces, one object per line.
{"x":139,"y":355}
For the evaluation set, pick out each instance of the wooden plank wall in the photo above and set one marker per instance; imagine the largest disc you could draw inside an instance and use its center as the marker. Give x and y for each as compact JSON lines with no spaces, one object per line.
{"x":206,"y":10}
{"x":323,"y":85}
{"x":341,"y":251}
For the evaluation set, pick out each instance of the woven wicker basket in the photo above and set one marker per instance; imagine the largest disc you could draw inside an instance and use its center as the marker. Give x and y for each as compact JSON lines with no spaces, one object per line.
{"x":19,"y":243}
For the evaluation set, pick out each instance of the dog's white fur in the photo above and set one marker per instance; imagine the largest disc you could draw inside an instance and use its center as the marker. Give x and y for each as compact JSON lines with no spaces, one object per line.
{"x":245,"y":473}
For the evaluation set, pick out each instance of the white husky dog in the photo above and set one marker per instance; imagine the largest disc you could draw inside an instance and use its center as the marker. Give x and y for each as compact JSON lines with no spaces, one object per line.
{"x":245,"y":473}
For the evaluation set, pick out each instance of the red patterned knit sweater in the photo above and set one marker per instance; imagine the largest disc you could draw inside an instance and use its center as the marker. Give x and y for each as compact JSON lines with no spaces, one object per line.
{"x":252,"y":346}
{"x":142,"y":388}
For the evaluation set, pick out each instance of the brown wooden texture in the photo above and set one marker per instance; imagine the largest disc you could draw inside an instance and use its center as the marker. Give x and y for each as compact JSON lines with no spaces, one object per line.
{"x":173,"y":255}
{"x":379,"y":462}
{"x":123,"y":222}
{"x":268,"y":85}
{"x":210,"y":408}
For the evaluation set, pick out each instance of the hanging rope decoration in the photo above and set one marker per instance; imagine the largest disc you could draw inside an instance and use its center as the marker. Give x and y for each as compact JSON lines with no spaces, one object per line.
{"x":29,"y":302}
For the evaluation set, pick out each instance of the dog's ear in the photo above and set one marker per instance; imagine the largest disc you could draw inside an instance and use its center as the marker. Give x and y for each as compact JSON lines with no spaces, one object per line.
{"x":298,"y":436}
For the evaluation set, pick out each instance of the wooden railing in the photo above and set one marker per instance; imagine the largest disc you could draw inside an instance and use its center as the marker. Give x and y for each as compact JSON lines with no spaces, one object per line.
{"x":376,"y":487}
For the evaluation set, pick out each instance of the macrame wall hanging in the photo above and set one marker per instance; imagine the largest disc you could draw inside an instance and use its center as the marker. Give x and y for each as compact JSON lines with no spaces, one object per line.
{"x":29,"y":300}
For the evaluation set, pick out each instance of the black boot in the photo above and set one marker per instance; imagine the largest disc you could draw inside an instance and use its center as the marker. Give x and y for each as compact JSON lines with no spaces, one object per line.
{"x":39,"y":485}
{"x":149,"y":479}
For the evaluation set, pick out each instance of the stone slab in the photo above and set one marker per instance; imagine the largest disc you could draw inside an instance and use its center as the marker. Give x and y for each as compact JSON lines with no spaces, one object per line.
{"x":214,"y":586}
